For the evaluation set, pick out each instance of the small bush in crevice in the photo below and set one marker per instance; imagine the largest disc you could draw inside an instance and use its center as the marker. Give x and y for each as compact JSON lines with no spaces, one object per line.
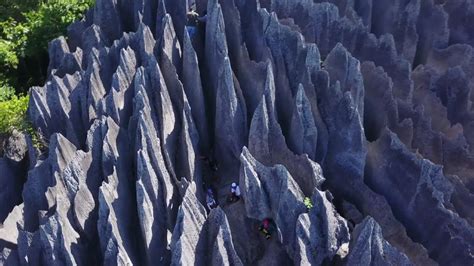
{"x":308,"y":203}
{"x":13,"y":116}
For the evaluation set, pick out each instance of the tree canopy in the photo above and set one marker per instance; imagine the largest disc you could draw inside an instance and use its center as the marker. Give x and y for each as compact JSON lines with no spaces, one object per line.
{"x":26,"y":28}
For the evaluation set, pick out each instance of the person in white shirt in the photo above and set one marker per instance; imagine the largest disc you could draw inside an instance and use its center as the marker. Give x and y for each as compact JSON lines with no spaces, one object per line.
{"x":235,"y":192}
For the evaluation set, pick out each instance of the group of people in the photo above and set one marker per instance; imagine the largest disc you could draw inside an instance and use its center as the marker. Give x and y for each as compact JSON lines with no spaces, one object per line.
{"x":266,"y":227}
{"x":234,"y":196}
{"x":211,"y":200}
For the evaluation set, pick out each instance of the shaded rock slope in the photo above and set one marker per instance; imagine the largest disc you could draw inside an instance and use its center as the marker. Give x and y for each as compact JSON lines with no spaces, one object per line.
{"x":363,"y":106}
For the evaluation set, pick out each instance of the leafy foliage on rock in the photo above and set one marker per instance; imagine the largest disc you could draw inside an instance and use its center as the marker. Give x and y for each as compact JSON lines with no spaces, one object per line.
{"x":13,"y":116}
{"x":12,"y":113}
{"x":308,"y":203}
{"x":25,"y":30}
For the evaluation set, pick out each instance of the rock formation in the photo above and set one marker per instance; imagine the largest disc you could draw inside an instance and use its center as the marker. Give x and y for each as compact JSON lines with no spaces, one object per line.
{"x":362,"y":108}
{"x":369,"y":248}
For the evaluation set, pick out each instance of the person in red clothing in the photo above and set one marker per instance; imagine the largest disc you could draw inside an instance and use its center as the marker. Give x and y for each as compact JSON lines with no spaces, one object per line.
{"x":266,"y":228}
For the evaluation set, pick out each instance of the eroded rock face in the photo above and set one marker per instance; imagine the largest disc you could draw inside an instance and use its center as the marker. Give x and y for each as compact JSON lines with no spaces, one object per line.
{"x":200,"y":238}
{"x":369,"y":248}
{"x":427,"y":186}
{"x":271,"y":193}
{"x":362,"y":108}
{"x":19,"y":156}
{"x":322,"y":233}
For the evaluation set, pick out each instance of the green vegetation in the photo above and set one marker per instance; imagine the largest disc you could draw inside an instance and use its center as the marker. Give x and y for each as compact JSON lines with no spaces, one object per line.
{"x":308,"y":203}
{"x":12,"y":114}
{"x":26,"y":28}
{"x":6,"y":92}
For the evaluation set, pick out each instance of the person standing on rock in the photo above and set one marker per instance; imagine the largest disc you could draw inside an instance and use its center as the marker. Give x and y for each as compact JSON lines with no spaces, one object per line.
{"x":266,"y":228}
{"x":193,"y":21}
{"x":211,"y":202}
{"x":234,"y":193}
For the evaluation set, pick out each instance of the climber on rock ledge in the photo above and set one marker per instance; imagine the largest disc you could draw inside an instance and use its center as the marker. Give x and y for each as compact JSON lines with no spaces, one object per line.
{"x":210,"y":200}
{"x":193,"y":21}
{"x":267,"y":227}
{"x":234,"y":193}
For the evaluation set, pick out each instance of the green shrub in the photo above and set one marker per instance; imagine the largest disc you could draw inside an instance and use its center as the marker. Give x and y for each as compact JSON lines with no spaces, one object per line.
{"x":51,"y":21}
{"x":26,"y":28}
{"x":13,"y":116}
{"x":6,"y":91}
{"x":8,"y":56}
{"x":308,"y":203}
{"x":14,"y":8}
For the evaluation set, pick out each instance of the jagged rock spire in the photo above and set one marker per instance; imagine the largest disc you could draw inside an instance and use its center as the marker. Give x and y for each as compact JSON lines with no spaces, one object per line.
{"x":359,"y":108}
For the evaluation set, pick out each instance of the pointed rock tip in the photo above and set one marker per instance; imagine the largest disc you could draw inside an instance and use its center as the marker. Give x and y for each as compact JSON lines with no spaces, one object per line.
{"x":388,"y":41}
{"x":369,"y":221}
{"x":167,"y":22}
{"x":338,"y":50}
{"x":300,"y":94}
{"x":313,"y":57}
{"x":269,"y":89}
{"x":261,"y":111}
{"x":144,"y":31}
{"x":58,"y":141}
{"x":217,"y":215}
{"x":244,"y":153}
{"x":246,"y":156}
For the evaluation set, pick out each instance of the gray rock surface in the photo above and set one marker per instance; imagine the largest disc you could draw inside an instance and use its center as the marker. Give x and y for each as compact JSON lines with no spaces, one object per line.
{"x":9,"y":229}
{"x":428,"y":185}
{"x":272,"y":193}
{"x":199,"y":238}
{"x":303,"y":135}
{"x":16,"y":147}
{"x":267,"y":142}
{"x":363,"y":106}
{"x":231,"y":121}
{"x":368,"y":247}
{"x":220,"y":240}
{"x":10,"y":187}
{"x":190,"y":221}
{"x":322,"y":233}
{"x":117,"y":229}
{"x":9,"y":257}
{"x":192,"y":84}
